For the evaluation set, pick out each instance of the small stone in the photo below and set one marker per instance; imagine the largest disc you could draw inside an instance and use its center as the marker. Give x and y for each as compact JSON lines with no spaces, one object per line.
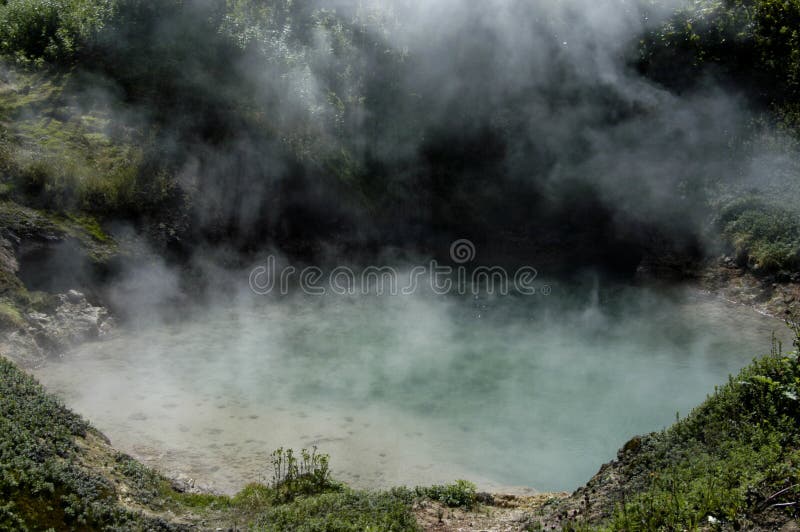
{"x":484,"y":498}
{"x":75,"y":297}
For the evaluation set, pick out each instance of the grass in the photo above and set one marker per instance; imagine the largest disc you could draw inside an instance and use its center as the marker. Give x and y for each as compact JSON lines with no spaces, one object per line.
{"x":734,"y":460}
{"x":57,"y":472}
{"x":42,"y":481}
{"x":10,"y":316}
{"x":733,"y":463}
{"x":346,"y":511}
{"x":65,"y":154}
{"x":764,"y":236}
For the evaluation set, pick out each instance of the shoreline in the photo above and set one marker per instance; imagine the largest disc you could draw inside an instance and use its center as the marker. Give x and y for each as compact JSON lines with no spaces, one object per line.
{"x":153,"y":453}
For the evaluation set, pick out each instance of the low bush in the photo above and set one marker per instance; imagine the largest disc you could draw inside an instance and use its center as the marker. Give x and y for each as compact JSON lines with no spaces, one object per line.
{"x":34,"y":31}
{"x":734,"y":461}
{"x":343,"y":511}
{"x":461,"y":494}
{"x":43,"y":483}
{"x":764,"y":236}
{"x":307,"y":475}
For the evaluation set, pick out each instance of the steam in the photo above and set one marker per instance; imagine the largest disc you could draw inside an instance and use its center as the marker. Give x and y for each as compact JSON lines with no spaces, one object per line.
{"x":411,"y":389}
{"x":404,"y":123}
{"x":392,"y":129}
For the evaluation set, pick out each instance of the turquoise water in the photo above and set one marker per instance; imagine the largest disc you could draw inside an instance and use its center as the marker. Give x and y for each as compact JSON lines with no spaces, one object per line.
{"x":516,"y":391}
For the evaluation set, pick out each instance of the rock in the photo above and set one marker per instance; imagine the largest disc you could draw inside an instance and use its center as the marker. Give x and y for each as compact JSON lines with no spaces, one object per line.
{"x":73,"y":322}
{"x":484,"y":498}
{"x":75,"y":297}
{"x":8,"y":259}
{"x":23,"y":348}
{"x":183,"y":483}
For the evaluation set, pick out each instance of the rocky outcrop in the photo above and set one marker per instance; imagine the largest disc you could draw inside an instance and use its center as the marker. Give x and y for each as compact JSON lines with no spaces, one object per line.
{"x":42,"y":257}
{"x":73,"y":321}
{"x":773,"y":295}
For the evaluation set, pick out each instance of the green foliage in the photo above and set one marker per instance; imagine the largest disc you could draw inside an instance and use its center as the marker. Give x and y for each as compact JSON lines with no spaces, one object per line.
{"x":733,"y":458}
{"x":461,"y":494}
{"x":10,"y":316}
{"x":765,"y":236}
{"x":345,"y":511}
{"x":49,"y":30}
{"x":753,"y":42}
{"x":42,"y":481}
{"x":308,"y":475}
{"x":253,"y":499}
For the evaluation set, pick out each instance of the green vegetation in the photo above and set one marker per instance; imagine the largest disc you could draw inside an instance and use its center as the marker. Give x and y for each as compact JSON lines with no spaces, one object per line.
{"x":42,"y":480}
{"x":293,"y":477}
{"x":755,"y":43}
{"x":765,"y":236}
{"x":733,"y":463}
{"x":54,"y":30}
{"x":461,"y":494}
{"x":735,"y":459}
{"x":10,"y":316}
{"x":754,"y":46}
{"x":57,"y":472}
{"x":346,"y":511}
{"x":63,"y":160}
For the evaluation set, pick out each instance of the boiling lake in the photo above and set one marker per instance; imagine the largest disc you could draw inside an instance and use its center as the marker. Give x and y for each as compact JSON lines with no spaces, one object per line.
{"x":515,"y":391}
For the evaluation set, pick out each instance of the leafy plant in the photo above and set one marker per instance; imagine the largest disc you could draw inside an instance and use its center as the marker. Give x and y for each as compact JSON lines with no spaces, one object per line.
{"x":733,"y":458}
{"x":308,"y":475}
{"x":344,"y":511}
{"x":34,"y":31}
{"x":460,"y":494}
{"x":765,"y":236}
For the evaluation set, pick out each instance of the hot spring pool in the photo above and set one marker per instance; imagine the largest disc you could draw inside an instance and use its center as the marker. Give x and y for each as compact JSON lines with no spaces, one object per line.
{"x":536,"y":391}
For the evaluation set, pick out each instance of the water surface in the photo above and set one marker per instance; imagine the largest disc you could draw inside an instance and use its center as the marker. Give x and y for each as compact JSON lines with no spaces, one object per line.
{"x":514,"y":391}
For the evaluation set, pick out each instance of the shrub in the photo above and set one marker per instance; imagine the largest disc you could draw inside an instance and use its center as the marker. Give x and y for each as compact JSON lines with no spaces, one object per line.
{"x":755,"y":43}
{"x":344,"y":511}
{"x":765,"y":236}
{"x":733,"y":458}
{"x":308,"y":475}
{"x":461,"y":494}
{"x":49,"y":30}
{"x":43,"y":482}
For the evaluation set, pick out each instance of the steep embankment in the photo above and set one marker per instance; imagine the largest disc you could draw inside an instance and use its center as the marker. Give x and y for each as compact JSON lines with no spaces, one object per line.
{"x":733,"y":463}
{"x":752,"y":231}
{"x":42,"y":258}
